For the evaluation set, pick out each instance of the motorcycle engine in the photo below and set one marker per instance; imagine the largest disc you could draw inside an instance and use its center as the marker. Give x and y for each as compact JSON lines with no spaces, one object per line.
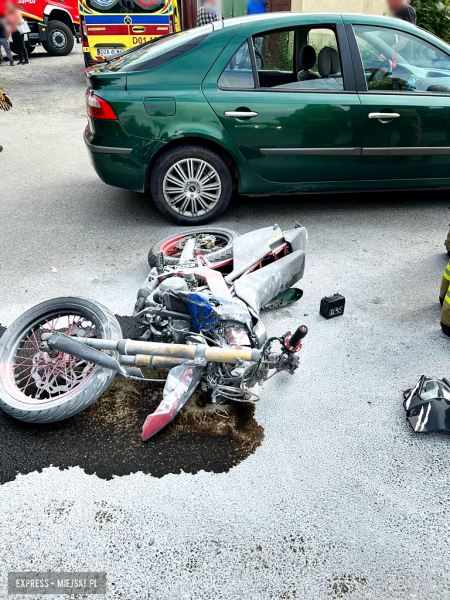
{"x":168,"y":323}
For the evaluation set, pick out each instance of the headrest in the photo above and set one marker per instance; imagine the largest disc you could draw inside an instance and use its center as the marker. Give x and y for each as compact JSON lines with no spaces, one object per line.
{"x":329,"y":63}
{"x":307,"y":58}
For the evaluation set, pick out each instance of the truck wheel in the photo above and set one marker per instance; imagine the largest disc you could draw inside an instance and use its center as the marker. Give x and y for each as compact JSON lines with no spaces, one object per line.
{"x":60,"y":39}
{"x":28,"y":46}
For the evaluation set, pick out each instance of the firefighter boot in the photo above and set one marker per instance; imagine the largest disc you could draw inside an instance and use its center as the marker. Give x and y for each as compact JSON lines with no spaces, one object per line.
{"x":447,"y":242}
{"x":445,"y":314}
{"x":445,"y":283}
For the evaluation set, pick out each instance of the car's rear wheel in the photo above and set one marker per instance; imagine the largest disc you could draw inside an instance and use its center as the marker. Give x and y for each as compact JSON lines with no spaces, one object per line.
{"x":191,"y":185}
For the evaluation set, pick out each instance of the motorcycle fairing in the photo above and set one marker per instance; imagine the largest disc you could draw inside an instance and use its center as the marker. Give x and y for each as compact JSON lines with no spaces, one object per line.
{"x":427,"y":405}
{"x":181,"y":383}
{"x":259,"y":287}
{"x":252,"y":247}
{"x":297,"y":238}
{"x":205,"y":311}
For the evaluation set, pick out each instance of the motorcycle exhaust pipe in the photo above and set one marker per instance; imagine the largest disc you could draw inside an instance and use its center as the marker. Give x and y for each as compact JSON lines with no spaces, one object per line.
{"x":201,"y":352}
{"x":75,"y":347}
{"x":189,"y":352}
{"x":151,"y":362}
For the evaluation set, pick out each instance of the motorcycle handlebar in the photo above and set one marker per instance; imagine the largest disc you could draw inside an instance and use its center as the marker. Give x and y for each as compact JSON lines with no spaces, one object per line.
{"x":298,"y":335}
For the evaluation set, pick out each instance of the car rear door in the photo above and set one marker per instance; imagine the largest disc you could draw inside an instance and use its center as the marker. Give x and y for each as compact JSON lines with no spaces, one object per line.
{"x":404,"y":85}
{"x":289,"y":131}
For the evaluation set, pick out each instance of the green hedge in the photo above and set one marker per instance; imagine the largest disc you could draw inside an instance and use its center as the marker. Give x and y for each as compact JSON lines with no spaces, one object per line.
{"x":434,"y":15}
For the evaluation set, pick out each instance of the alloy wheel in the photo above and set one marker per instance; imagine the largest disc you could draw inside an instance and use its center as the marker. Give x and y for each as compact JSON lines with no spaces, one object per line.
{"x":192,"y":187}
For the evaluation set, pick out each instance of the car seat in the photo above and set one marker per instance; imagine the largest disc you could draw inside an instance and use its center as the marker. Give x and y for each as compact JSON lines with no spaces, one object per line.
{"x":307,"y":60}
{"x":328,"y":63}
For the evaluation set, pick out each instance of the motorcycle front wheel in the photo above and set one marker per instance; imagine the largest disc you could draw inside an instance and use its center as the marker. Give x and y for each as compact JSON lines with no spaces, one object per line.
{"x":39,"y":387}
{"x":215,"y":243}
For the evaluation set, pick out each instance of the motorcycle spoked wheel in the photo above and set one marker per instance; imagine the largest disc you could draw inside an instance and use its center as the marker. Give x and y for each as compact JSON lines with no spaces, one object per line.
{"x":172,"y":246}
{"x":40,"y":388}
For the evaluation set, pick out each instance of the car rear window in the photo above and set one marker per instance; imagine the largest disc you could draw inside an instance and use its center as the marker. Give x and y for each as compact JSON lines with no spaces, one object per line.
{"x":160,"y":51}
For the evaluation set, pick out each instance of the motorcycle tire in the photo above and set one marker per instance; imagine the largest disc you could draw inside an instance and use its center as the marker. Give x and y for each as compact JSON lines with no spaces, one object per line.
{"x":81,"y":383}
{"x":167,"y":245}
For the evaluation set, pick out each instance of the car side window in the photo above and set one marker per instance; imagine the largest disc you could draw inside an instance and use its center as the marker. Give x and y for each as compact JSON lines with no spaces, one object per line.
{"x":395,"y":61}
{"x":299,"y":59}
{"x":275,"y":51}
{"x":238,"y":74}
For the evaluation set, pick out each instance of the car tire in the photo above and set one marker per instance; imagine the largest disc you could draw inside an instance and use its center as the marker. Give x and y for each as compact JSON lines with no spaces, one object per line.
{"x":66,"y":39}
{"x":227,"y":236}
{"x":213,"y":165}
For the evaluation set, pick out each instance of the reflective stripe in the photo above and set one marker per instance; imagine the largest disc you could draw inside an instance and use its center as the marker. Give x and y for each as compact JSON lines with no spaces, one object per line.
{"x":119,"y":19}
{"x":447,"y":271}
{"x":447,"y":297}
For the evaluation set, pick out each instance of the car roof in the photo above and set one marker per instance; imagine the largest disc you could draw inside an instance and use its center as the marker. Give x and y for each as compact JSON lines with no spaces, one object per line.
{"x":266,"y":21}
{"x":279,"y":17}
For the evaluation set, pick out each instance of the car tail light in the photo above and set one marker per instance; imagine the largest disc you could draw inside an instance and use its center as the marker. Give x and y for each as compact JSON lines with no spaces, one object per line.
{"x":97,"y":108}
{"x":83,"y":32}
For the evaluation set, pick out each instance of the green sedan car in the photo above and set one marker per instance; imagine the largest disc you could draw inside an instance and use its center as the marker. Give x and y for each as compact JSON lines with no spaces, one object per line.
{"x":275,"y":104}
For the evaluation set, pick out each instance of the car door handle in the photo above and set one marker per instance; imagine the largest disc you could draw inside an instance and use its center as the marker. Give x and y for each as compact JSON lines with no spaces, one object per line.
{"x":385,"y":116}
{"x":240,"y":114}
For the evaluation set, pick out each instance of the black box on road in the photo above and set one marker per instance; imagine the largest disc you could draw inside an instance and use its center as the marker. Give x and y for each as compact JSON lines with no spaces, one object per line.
{"x":332,"y":306}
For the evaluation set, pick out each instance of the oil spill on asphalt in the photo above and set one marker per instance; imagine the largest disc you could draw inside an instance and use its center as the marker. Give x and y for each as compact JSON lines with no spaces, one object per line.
{"x":105,"y":438}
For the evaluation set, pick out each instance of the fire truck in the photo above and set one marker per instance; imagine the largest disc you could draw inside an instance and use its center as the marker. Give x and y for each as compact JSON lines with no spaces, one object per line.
{"x":54,"y":23}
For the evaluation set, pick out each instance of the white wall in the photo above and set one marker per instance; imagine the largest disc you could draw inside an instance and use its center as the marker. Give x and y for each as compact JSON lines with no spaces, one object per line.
{"x":375,"y":7}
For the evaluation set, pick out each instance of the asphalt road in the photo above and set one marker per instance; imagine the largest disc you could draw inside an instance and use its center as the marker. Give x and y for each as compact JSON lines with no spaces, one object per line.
{"x":339,"y":500}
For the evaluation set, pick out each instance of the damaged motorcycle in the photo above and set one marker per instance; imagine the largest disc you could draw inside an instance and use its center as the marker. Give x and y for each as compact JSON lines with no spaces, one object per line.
{"x":199,"y":310}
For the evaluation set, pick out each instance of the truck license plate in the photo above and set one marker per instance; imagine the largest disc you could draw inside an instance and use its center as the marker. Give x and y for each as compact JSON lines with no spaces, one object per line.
{"x":109,"y":51}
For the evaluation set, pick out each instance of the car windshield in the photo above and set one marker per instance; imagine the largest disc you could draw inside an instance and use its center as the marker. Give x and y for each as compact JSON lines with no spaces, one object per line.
{"x":383,"y":43}
{"x":176,"y":43}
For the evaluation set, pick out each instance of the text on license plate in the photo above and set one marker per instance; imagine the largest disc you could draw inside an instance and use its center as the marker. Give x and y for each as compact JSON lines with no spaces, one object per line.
{"x":109,"y":51}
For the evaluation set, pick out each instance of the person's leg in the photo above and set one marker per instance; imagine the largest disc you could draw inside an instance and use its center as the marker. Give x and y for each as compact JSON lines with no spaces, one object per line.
{"x":4,"y":42}
{"x":19,"y":42}
{"x":8,"y":52}
{"x":16,"y":39}
{"x":24,"y":49}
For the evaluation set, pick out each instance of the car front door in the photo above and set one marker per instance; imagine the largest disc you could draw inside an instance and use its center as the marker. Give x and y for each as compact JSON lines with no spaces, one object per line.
{"x":293,"y":112}
{"x":404,"y":87}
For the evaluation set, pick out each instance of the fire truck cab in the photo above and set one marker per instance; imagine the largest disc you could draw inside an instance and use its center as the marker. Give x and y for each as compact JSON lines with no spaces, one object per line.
{"x":53,"y":23}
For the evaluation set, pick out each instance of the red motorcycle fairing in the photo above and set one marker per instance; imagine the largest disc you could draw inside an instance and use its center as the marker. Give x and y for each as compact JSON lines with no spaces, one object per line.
{"x":181,"y":383}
